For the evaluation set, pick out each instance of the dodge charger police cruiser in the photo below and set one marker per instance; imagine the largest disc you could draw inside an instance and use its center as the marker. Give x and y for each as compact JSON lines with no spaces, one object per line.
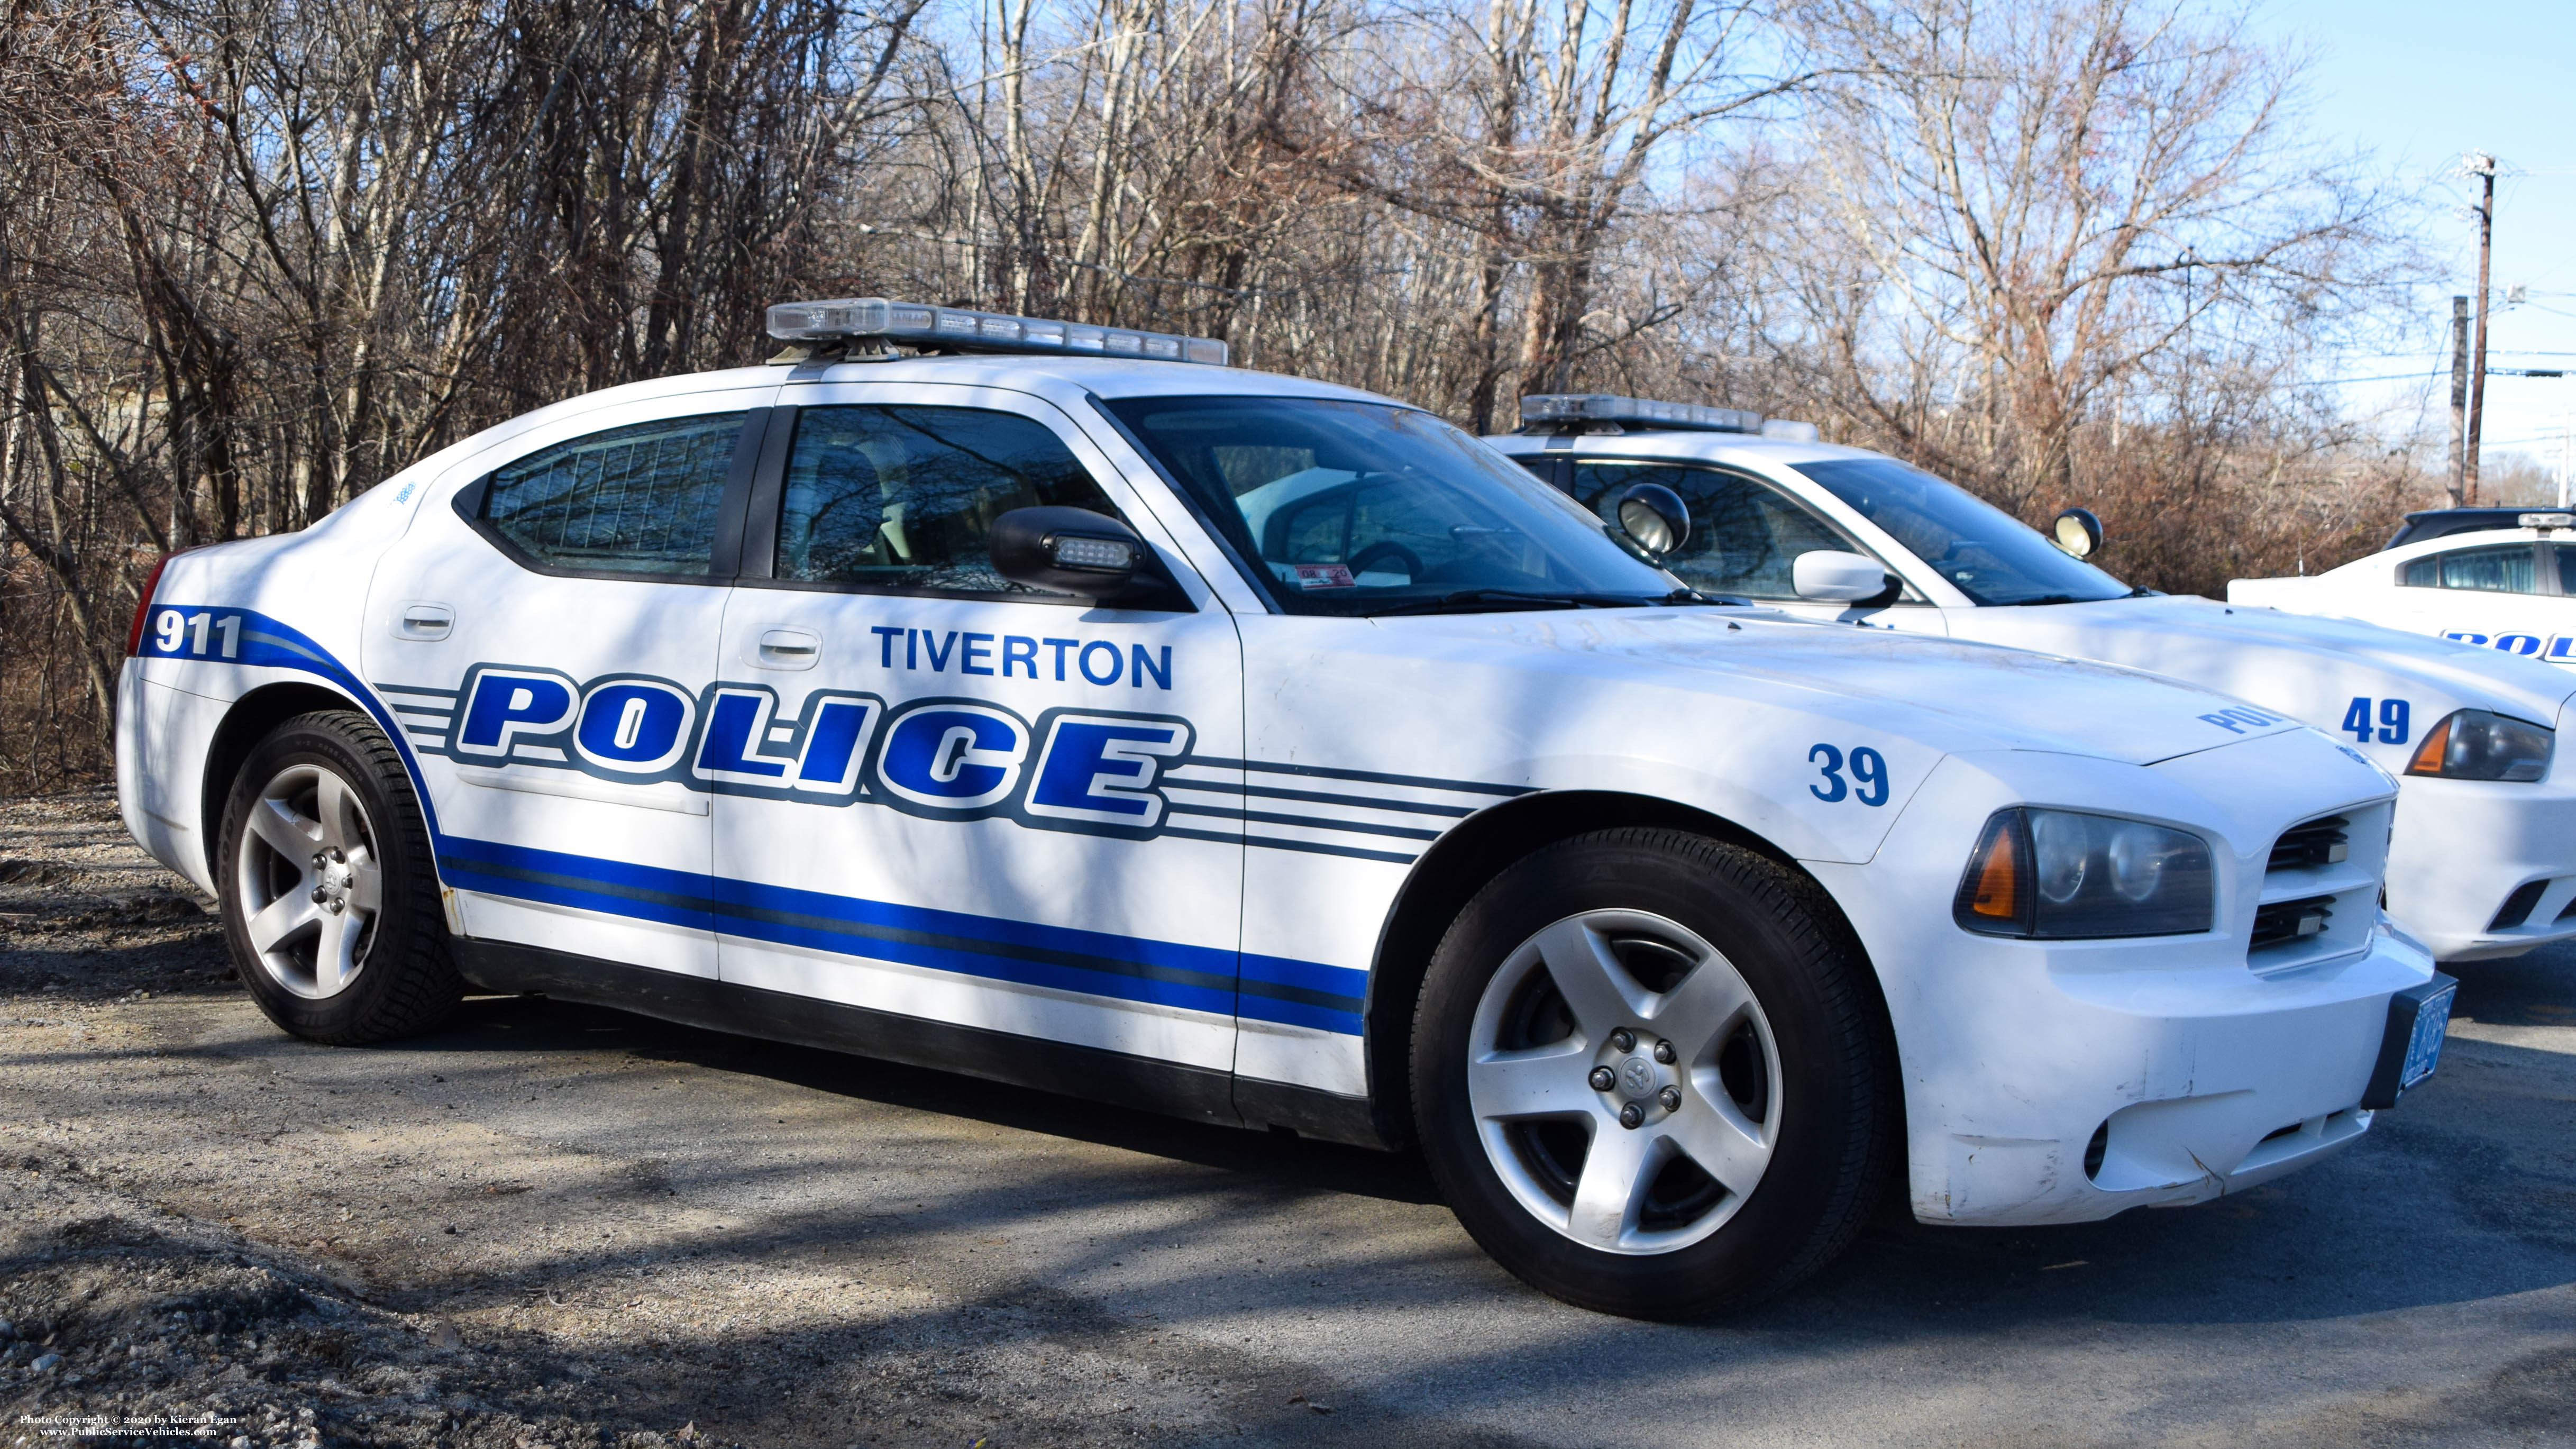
{"x":1055,"y":704}
{"x":2511,"y":588}
{"x":2484,"y":859}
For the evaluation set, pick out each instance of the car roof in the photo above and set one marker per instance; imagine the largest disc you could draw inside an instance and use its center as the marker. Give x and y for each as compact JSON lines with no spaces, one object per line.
{"x":2415,"y":548}
{"x":2441,"y":522}
{"x":1042,"y":375}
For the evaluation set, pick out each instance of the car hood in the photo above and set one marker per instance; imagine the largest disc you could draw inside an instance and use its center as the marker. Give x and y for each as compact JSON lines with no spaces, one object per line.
{"x":2263,"y":654}
{"x":1946,"y":693}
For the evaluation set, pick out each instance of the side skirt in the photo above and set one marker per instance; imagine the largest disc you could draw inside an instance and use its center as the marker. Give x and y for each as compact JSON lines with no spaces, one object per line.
{"x":1052,"y":1066}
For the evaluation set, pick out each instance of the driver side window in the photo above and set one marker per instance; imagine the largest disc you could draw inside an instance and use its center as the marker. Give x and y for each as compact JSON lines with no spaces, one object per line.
{"x":905,"y":496}
{"x":1745,"y":537}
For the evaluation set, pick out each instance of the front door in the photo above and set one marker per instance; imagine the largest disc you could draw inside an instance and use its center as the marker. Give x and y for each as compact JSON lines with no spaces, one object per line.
{"x":544,"y":634}
{"x":972,"y":814}
{"x":1745,"y":538}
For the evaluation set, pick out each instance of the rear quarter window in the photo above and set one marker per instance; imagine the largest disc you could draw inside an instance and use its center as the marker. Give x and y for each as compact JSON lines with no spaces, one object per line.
{"x":642,"y":499}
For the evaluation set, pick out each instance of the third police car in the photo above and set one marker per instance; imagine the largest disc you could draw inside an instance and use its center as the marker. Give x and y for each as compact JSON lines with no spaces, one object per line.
{"x":1056,"y":704}
{"x":2490,"y":578}
{"x":2484,"y":859}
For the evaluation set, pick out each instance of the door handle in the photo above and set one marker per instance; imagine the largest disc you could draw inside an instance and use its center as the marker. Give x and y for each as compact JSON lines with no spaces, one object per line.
{"x":787,"y":649}
{"x":424,"y":621}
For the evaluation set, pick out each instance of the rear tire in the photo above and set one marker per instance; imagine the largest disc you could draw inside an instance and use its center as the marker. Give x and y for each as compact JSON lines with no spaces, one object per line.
{"x":1649,"y":1075}
{"x":330,"y":898}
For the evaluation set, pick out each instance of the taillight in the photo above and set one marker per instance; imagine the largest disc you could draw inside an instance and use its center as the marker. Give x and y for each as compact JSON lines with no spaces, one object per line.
{"x":143,"y":605}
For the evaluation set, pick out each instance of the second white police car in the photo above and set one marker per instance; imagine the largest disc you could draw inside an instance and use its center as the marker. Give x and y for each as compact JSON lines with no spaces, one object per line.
{"x":1046,"y":703}
{"x":2484,"y":860}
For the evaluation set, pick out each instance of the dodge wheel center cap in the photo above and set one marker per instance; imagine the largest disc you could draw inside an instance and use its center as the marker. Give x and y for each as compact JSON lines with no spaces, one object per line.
{"x":1637,"y":1077}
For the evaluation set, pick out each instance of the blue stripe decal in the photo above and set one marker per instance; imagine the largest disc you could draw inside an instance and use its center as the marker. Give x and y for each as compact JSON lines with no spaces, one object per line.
{"x":1096,"y":963}
{"x":1305,"y":993}
{"x":1167,"y":973}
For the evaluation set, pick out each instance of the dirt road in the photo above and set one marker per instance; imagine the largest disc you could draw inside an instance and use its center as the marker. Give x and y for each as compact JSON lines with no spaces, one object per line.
{"x":556,"y":1226}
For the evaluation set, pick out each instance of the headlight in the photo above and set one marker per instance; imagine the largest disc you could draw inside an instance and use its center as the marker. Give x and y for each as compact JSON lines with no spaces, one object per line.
{"x":2055,"y":873}
{"x":2475,"y":744}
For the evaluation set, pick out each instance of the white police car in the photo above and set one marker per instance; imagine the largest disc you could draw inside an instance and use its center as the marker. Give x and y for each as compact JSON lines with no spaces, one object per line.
{"x":2511,"y":589}
{"x":2484,"y":859}
{"x":1274,"y":754}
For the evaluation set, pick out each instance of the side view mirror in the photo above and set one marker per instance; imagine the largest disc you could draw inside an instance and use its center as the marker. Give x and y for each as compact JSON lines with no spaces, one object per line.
{"x":2077,"y":533}
{"x":1067,"y":551}
{"x":1655,"y":517}
{"x":1828,"y":573}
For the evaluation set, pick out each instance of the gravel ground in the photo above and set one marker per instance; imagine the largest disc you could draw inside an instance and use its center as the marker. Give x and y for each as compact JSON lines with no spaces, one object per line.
{"x":555,"y":1226}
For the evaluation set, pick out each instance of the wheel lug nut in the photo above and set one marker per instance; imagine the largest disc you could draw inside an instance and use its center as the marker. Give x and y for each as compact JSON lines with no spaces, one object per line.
{"x":320,"y":896}
{"x":1631,"y":1114}
{"x":1671,"y":1097}
{"x":1664,"y":1052}
{"x":1603,"y":1079}
{"x":1624,"y":1039}
{"x":339,"y":856}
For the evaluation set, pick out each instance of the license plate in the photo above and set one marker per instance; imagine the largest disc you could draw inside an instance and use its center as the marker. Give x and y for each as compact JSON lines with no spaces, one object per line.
{"x":2424,"y":1044}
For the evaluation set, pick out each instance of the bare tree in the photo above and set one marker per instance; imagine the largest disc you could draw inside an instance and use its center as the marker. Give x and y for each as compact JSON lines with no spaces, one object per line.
{"x":2028,"y":208}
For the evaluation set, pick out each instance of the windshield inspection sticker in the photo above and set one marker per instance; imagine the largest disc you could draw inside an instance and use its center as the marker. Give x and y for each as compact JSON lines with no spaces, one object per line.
{"x":1322,"y":576}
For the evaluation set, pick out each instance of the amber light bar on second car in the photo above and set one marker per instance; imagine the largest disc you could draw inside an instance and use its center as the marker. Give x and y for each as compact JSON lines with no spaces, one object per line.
{"x":918,"y":324}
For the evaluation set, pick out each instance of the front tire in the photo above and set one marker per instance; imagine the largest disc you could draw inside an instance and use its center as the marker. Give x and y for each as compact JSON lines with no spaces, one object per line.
{"x":1649,"y":1077}
{"x":330,"y":900}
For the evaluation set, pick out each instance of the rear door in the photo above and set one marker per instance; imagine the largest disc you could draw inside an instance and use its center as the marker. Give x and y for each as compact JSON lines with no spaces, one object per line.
{"x":977,"y":816}
{"x":546,"y":637}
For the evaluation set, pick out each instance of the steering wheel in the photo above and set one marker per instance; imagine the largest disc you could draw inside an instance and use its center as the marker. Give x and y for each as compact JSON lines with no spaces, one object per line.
{"x":1385,"y":549}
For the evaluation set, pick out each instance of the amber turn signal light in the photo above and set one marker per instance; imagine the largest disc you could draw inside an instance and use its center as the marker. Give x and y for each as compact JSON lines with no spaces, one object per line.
{"x":2428,"y":755}
{"x":1995,"y":893}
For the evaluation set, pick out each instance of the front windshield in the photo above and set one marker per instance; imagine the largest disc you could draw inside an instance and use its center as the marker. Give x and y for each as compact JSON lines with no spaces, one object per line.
{"x":1363,"y":508}
{"x":1985,"y":553}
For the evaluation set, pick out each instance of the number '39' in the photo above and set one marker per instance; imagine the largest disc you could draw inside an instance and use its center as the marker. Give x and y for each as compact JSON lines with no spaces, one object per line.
{"x":1868,"y":782}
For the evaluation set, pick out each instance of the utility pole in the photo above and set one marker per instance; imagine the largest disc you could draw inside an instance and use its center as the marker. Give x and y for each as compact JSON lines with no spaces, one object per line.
{"x":2482,"y":166}
{"x":2459,"y":401}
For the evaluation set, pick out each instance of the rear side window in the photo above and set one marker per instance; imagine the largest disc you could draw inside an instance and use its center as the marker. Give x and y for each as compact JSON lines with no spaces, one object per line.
{"x":2501,"y":569}
{"x":634,"y":500}
{"x":905,"y":497}
{"x":1744,"y":537}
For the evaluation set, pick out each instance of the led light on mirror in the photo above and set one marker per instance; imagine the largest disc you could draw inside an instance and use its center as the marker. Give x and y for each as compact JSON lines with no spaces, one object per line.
{"x":2077,"y":533}
{"x":1655,"y":517}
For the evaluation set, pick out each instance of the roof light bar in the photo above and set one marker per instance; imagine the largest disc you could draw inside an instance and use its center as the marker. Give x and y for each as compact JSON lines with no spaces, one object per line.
{"x":847,"y":318}
{"x":1566,"y":409}
{"x":2546,"y":520}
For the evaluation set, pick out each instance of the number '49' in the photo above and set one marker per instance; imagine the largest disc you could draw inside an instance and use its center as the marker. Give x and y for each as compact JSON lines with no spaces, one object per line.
{"x":2392,"y":723}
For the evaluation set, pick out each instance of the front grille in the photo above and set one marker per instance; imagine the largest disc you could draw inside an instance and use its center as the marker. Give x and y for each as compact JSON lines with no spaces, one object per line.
{"x":2320,"y":891}
{"x":2284,"y":921}
{"x":2319,"y":842}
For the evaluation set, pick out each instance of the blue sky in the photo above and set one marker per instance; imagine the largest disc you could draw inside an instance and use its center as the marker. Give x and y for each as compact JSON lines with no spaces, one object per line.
{"x":2416,"y":84}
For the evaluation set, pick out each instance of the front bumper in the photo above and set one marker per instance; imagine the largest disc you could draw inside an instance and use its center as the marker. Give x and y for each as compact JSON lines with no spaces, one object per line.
{"x":2067,"y":1081}
{"x":2157,"y":1093}
{"x":2463,"y":847}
